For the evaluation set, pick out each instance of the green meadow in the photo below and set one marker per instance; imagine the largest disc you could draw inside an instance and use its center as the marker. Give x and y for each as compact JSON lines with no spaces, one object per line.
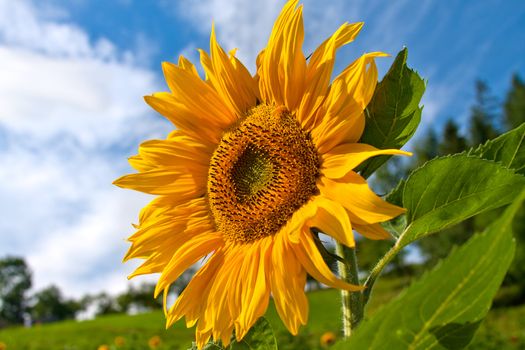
{"x":504,"y":328}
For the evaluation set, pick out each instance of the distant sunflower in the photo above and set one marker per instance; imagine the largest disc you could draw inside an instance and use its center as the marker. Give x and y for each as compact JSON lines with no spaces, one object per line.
{"x":255,"y":162}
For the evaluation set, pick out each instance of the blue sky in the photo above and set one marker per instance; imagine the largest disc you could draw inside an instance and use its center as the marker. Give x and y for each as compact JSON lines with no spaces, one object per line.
{"x":73,"y":73}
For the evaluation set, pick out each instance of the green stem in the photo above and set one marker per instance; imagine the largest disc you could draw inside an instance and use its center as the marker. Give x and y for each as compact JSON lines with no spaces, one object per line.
{"x":376,"y":271}
{"x":352,"y":301}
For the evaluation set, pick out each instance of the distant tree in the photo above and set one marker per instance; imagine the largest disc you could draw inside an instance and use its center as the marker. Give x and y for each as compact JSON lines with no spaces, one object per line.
{"x":140,"y":298}
{"x":482,"y":115}
{"x":451,"y":141}
{"x":15,"y":281}
{"x":105,"y":304}
{"x":388,"y":175}
{"x":425,"y":149}
{"x":514,"y":106}
{"x":49,"y":306}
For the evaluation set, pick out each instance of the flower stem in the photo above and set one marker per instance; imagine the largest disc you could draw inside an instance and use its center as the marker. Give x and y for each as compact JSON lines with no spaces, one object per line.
{"x":376,"y":271}
{"x":351,"y":301}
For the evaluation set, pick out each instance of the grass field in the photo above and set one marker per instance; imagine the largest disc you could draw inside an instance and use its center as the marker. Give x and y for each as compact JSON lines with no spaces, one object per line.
{"x":503,"y":329}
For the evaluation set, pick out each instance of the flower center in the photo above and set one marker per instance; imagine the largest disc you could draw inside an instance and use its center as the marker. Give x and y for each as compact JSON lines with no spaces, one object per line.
{"x":263,"y":170}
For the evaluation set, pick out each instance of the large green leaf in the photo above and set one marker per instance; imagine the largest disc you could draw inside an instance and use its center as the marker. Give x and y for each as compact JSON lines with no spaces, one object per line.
{"x":508,"y":149}
{"x":393,"y":114}
{"x":260,"y":337}
{"x":444,"y":308}
{"x":448,"y":190}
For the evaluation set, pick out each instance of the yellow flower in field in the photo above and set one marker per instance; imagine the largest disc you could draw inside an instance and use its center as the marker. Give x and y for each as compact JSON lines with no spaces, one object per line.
{"x":154,"y":342}
{"x":3,"y":346}
{"x":120,"y":341}
{"x":255,"y":162}
{"x":328,"y":339}
{"x":103,"y":347}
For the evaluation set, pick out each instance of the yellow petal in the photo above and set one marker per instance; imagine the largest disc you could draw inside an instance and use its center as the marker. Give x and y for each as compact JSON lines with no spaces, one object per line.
{"x":161,"y":204}
{"x":219,"y":309}
{"x":283,"y":65}
{"x":346,"y":157}
{"x":188,"y":254}
{"x":202,"y":336}
{"x":309,"y":256}
{"x":207,"y":132}
{"x":185,"y":64}
{"x":230,"y":78}
{"x":363,"y":205}
{"x":139,"y":164}
{"x":168,"y":233}
{"x":165,"y":181}
{"x":373,"y":231}
{"x":325,"y":52}
{"x":197,"y":96}
{"x":332,"y":219}
{"x":319,"y":71}
{"x":340,"y":119}
{"x":192,"y":300}
{"x":287,"y":280}
{"x":255,"y":289}
{"x":170,"y":153}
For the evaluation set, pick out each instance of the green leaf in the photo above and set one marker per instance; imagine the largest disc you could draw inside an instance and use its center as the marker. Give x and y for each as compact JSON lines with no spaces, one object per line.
{"x":393,"y":114}
{"x":444,"y":308}
{"x":260,"y":337}
{"x":508,"y":149}
{"x":448,"y":190}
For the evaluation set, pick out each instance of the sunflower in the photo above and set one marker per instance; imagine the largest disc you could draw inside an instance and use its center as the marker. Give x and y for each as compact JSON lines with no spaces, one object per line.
{"x":254,"y":164}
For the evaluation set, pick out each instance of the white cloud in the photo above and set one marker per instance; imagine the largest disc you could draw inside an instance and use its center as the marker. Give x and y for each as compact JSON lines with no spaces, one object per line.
{"x":72,"y":110}
{"x":87,"y":97}
{"x":22,"y":25}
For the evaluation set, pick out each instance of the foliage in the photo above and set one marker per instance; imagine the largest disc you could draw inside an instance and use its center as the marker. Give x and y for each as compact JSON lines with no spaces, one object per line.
{"x":50,"y":306}
{"x":15,"y":281}
{"x":514,"y":106}
{"x":139,"y":298}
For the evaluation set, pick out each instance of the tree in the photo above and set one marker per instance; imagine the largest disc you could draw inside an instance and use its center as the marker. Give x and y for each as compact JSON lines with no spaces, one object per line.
{"x":425,"y":149}
{"x":50,"y":305}
{"x":514,"y":106}
{"x":139,"y":298}
{"x":482,"y":115}
{"x":105,"y":304}
{"x":452,"y":141}
{"x":15,"y":280}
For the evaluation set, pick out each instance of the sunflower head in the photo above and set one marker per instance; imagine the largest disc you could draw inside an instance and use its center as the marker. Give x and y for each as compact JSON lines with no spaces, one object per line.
{"x":255,"y":162}
{"x":265,"y":161}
